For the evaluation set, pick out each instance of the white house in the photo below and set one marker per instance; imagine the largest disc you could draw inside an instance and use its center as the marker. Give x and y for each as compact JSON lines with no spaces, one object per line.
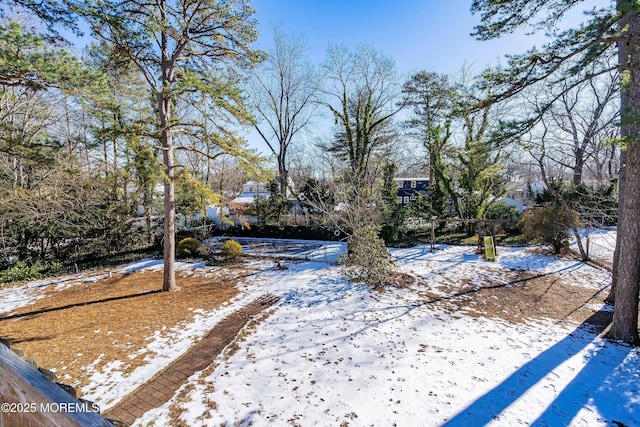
{"x":524,"y":192}
{"x":250,"y":191}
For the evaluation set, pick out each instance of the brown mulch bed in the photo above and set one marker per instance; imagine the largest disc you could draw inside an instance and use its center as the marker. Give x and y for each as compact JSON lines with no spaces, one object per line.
{"x":68,"y":339}
{"x":522,"y":296}
{"x":531,"y":297}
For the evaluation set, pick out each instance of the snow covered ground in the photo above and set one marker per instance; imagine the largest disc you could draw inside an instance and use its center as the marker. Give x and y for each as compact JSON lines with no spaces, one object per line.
{"x":599,"y":242}
{"x":336,"y":353}
{"x":333,"y":352}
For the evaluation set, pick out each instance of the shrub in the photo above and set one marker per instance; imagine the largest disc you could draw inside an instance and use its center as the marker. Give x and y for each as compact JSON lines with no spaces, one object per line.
{"x":204,"y":251}
{"x":503,"y":211}
{"x":22,"y":271}
{"x":231,"y":250}
{"x":187,"y":247}
{"x":368,"y":259}
{"x":549,"y":224}
{"x":507,"y":215}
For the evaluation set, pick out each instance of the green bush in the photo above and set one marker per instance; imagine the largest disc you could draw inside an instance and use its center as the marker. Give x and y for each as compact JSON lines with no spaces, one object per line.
{"x":506,"y":214}
{"x":548,"y":224}
{"x":21,"y":271}
{"x":231,"y":250}
{"x":503,"y":211}
{"x":187,"y":247}
{"x":368,"y":259}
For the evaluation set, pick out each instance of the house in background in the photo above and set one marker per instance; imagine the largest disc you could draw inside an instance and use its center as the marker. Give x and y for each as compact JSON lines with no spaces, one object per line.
{"x":410,"y":188}
{"x":251,"y":190}
{"x":521,"y":194}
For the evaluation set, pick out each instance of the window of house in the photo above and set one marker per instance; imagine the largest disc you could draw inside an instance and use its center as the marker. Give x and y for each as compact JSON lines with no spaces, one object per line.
{"x":400,"y":184}
{"x":413,"y":198}
{"x":399,"y":200}
{"x":406,"y":200}
{"x":413,"y":184}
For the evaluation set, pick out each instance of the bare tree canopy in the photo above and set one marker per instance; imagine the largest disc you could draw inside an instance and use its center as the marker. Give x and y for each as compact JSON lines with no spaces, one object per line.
{"x":283,"y":95}
{"x":363,"y":94}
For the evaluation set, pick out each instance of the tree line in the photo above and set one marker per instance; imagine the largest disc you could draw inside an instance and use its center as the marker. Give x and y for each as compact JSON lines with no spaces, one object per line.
{"x":165,"y":88}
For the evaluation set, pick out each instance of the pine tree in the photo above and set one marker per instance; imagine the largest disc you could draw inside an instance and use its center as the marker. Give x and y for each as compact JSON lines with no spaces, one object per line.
{"x":30,"y":65}
{"x":431,"y":97}
{"x":191,"y":54}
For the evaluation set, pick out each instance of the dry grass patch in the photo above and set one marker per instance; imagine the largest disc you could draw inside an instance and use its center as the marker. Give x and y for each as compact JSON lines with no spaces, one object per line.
{"x":73,"y":338}
{"x":513,"y":295}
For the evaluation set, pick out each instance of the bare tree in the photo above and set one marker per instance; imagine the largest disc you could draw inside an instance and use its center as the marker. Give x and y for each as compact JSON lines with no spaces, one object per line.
{"x":605,"y":151}
{"x":582,"y":115}
{"x":538,"y":149}
{"x":283,"y":95}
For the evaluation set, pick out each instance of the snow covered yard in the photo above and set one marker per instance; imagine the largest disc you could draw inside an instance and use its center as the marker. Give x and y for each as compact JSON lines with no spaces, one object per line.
{"x":337,"y":353}
{"x":468,"y":342}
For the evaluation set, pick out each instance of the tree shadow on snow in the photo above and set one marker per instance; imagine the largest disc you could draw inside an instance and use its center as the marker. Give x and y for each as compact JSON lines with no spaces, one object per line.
{"x":595,"y":385}
{"x":511,"y":258}
{"x":404,"y":256}
{"x":325,"y":291}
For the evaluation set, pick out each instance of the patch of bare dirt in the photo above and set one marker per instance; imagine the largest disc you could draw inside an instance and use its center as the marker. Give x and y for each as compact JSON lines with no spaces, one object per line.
{"x":73,"y":336}
{"x":524,"y":296}
{"x":534,"y":297}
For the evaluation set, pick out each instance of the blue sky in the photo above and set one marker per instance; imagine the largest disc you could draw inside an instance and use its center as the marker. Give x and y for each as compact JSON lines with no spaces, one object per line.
{"x":431,"y":35}
{"x":428,"y":35}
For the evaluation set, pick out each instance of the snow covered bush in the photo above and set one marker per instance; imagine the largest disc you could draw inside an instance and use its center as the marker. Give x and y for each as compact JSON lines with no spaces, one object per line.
{"x":368,"y":259}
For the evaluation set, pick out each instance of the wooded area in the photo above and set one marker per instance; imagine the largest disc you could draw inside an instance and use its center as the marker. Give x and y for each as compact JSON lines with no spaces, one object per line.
{"x":102,"y":154}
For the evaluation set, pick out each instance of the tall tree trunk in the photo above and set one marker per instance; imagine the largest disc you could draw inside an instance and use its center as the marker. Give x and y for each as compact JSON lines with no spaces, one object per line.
{"x":168,"y":157}
{"x":625,"y":315}
{"x":283,"y":173}
{"x":169,"y":279}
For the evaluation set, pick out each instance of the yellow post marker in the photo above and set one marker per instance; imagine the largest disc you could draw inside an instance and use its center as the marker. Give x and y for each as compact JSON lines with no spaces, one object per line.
{"x":489,"y":249}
